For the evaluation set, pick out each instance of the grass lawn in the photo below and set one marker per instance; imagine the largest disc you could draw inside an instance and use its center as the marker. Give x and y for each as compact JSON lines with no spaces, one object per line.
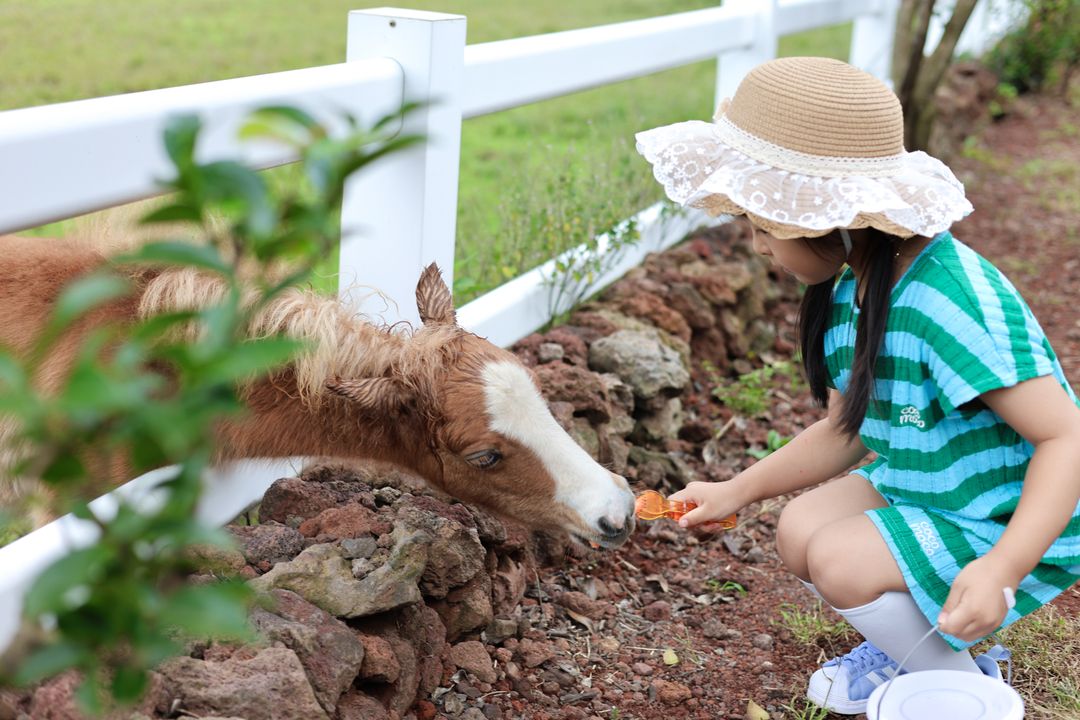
{"x":534,"y":180}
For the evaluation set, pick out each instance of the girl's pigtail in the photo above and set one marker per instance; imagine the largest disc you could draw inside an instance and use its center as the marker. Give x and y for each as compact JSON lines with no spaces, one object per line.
{"x":869,"y":331}
{"x":815,"y":314}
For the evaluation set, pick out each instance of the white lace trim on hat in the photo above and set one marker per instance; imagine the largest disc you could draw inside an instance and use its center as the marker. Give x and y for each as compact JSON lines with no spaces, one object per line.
{"x":800,"y":162}
{"x":696,"y":168}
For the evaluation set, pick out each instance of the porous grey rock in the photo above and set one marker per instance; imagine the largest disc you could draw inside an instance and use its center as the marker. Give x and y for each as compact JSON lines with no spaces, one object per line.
{"x":323,"y":577}
{"x":454,"y":552}
{"x":271,"y":685}
{"x":644,"y":363}
{"x":661,"y":425}
{"x":269,"y":542}
{"x":328,"y":649}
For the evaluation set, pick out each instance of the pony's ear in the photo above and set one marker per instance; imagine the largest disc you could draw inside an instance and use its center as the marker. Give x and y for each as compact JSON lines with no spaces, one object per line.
{"x":433,"y":298}
{"x":380,"y":395}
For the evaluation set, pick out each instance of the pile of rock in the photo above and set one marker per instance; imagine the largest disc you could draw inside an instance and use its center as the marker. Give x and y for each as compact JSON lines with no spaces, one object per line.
{"x":390,"y":602}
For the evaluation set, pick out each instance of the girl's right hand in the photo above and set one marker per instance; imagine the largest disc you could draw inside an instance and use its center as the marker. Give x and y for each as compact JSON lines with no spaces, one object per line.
{"x":714,"y":500}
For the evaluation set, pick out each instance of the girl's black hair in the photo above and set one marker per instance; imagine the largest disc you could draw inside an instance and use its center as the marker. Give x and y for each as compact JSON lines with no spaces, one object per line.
{"x":814,"y":316}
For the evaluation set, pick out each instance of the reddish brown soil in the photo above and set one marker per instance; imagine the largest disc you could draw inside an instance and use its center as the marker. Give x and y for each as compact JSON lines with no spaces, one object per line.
{"x":732,"y":645}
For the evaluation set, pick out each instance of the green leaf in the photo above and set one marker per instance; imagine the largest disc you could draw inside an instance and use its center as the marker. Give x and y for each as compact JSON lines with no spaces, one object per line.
{"x":180,"y":253}
{"x":242,"y":192}
{"x":155,"y":649}
{"x":64,"y":468}
{"x":12,"y":374}
{"x":85,"y":294}
{"x":289,"y":125}
{"x":128,"y":683}
{"x":93,"y":391}
{"x":181,"y":133}
{"x":158,"y":326}
{"x":50,"y":593}
{"x":210,"y":611}
{"x":48,"y":661}
{"x":398,"y":115}
{"x":220,"y":322}
{"x":670,"y":657}
{"x":88,"y":696}
{"x":173,"y":212}
{"x":254,"y":357}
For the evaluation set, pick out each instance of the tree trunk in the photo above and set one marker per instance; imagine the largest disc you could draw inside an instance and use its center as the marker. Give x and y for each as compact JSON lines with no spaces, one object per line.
{"x":923,"y":11}
{"x":917,"y":76}
{"x":905,"y":16}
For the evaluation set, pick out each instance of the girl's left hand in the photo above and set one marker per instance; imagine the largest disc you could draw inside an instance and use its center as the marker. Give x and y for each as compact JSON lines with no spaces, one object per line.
{"x":976,"y":603}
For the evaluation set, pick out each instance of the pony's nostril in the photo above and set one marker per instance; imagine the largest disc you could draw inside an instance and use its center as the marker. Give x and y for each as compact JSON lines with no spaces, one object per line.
{"x":607,"y":528}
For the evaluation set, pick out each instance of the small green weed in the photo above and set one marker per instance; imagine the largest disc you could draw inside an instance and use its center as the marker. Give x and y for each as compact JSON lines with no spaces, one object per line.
{"x":749,"y":394}
{"x":802,"y":709}
{"x":773,"y":442}
{"x":716,"y":585}
{"x":814,"y":628}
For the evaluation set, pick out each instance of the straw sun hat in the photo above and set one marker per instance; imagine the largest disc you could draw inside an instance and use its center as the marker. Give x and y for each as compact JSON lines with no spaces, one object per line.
{"x":805,"y":146}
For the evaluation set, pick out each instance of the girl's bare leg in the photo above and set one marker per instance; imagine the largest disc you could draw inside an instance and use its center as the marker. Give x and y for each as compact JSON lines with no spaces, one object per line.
{"x":845,"y":497}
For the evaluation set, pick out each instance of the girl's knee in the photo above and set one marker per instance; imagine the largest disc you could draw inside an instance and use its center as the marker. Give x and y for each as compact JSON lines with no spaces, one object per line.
{"x":793,"y":530}
{"x":828,"y":563}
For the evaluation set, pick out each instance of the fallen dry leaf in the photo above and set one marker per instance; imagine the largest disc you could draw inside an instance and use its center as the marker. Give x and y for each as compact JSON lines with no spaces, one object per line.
{"x":755,"y":711}
{"x":659,"y":580}
{"x":581,"y":619}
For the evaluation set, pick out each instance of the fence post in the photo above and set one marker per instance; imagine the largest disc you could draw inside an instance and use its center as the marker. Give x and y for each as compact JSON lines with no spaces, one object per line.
{"x":399,"y":215}
{"x":732,"y":67}
{"x":872,"y":40}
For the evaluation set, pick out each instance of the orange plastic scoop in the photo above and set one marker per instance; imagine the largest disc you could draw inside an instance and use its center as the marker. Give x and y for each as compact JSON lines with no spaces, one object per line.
{"x":651,"y":505}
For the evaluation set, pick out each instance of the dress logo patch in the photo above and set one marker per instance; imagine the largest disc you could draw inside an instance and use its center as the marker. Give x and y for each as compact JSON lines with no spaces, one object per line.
{"x":927,"y":536}
{"x":910,"y":416}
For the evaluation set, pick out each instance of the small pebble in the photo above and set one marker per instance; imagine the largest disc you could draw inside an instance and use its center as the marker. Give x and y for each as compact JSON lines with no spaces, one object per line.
{"x":762,"y":641}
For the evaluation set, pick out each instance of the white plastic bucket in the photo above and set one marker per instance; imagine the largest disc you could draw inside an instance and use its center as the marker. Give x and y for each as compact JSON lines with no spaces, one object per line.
{"x":944,"y":695}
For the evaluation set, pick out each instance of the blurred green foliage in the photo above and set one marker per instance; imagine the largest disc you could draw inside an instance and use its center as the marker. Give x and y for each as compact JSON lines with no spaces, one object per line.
{"x":1044,"y":47}
{"x":151,"y":395}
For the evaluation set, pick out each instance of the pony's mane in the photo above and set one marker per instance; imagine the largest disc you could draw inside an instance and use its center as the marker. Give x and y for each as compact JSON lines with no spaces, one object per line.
{"x":341,"y":342}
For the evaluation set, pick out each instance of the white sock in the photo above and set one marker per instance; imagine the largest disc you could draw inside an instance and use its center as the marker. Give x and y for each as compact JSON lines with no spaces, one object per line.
{"x":810,"y":586}
{"x":895,"y":624}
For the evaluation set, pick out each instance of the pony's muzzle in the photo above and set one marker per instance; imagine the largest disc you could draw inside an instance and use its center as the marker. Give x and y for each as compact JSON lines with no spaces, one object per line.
{"x":612,"y":534}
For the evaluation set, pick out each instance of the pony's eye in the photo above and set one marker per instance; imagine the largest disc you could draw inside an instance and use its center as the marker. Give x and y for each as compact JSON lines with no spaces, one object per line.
{"x":484,"y":459}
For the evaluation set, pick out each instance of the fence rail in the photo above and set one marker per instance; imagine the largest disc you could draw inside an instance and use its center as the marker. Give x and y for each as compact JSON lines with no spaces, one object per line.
{"x":64,"y":160}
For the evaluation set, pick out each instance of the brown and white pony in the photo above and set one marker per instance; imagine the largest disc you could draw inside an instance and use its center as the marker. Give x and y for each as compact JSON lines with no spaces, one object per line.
{"x":439,"y":402}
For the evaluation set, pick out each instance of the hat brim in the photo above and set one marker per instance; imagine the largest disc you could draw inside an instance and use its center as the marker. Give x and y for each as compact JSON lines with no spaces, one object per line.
{"x":698,"y":169}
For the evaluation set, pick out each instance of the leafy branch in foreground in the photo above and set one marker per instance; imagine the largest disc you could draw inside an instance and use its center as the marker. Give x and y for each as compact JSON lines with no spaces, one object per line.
{"x":149,"y":395}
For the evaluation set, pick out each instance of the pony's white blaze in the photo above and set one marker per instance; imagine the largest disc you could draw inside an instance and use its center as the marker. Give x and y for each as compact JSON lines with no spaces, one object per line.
{"x":517,"y":410}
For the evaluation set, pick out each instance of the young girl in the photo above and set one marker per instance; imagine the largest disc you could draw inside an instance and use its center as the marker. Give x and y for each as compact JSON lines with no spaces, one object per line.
{"x":923,"y":353}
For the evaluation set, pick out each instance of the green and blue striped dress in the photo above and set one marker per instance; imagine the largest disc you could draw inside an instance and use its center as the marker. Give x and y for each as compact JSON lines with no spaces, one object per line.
{"x":950,"y":468}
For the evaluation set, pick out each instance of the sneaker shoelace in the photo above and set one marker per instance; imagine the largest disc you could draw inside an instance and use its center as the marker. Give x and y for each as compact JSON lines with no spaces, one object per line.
{"x":862,"y":659}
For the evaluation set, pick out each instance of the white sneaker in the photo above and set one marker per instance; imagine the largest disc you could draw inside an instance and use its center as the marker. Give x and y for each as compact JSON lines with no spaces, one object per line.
{"x":843,"y":684}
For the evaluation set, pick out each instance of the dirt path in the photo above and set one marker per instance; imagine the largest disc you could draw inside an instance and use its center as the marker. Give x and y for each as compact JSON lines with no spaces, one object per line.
{"x":733,"y":618}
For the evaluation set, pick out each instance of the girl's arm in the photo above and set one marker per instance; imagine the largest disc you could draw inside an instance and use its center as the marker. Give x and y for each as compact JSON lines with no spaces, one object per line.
{"x":815,"y":455}
{"x":1044,"y":415}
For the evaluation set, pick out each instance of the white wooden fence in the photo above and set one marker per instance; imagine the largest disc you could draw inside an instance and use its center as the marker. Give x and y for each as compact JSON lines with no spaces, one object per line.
{"x":63,"y":160}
